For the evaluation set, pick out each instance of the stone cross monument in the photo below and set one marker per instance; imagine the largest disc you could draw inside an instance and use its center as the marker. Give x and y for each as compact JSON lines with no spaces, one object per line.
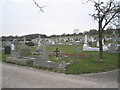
{"x":24,"y":40}
{"x":39,"y":41}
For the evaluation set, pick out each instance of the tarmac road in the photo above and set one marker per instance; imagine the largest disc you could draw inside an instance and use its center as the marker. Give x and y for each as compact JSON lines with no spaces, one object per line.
{"x":14,"y":76}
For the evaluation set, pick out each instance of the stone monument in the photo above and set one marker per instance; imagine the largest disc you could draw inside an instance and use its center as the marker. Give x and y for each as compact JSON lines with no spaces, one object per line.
{"x":39,"y":41}
{"x":12,"y":46}
{"x":7,"y":50}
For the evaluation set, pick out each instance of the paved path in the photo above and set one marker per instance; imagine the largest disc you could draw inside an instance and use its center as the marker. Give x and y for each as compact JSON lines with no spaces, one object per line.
{"x":15,"y":76}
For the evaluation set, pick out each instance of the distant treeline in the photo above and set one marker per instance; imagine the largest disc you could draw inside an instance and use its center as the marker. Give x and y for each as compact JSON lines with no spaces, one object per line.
{"x":32,"y":36}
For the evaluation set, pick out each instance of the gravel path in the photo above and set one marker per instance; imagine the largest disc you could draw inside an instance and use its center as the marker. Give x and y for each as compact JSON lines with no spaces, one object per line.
{"x":14,"y":76}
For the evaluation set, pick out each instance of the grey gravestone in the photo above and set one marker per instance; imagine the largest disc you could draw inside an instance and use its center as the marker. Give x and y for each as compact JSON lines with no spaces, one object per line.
{"x":15,"y":54}
{"x":7,"y":50}
{"x":78,"y":49}
{"x":63,"y":65}
{"x":90,"y":43}
{"x":24,"y":50}
{"x":39,"y":41}
{"x":43,"y":57}
{"x":36,"y":52}
{"x":24,"y":40}
{"x":113,"y":48}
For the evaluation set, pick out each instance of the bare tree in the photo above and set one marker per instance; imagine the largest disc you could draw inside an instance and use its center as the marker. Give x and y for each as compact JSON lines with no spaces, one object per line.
{"x":76,"y":31}
{"x":105,"y":13}
{"x":41,"y":8}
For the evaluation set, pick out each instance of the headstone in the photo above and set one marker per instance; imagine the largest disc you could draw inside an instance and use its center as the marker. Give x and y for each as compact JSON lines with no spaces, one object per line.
{"x":85,"y":39}
{"x":70,"y":43}
{"x":15,"y":54}
{"x":113,"y":48}
{"x":114,"y":40}
{"x":78,"y":49}
{"x":53,"y":43}
{"x":13,"y":47}
{"x":90,"y":43}
{"x":8,"y":43}
{"x":92,"y":39}
{"x":85,"y":47}
{"x":108,"y":45}
{"x":105,"y":48}
{"x":24,"y":50}
{"x":97,"y":43}
{"x":7,"y":50}
{"x":36,"y":52}
{"x":43,"y":57}
{"x":39,"y":41}
{"x":24,"y":40}
{"x":103,"y":41}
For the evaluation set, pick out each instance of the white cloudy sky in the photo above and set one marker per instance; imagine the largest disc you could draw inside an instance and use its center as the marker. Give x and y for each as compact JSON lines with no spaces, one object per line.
{"x":21,"y":17}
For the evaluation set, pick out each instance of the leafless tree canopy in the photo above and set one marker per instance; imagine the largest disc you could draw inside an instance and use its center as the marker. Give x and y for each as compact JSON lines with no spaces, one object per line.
{"x":107,"y":12}
{"x":76,"y":31}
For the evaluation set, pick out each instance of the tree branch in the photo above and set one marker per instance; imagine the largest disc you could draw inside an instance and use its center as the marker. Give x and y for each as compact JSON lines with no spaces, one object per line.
{"x":41,"y":8}
{"x":111,"y":18}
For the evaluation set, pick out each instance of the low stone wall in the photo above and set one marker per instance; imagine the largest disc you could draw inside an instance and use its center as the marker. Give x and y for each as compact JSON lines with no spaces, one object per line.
{"x":50,"y":64}
{"x":22,"y":61}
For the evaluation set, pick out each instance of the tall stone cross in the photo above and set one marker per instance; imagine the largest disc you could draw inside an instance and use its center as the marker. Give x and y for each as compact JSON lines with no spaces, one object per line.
{"x":57,"y":52}
{"x":85,"y":39}
{"x":24,"y":40}
{"x":114,"y":37}
{"x":39,"y":41}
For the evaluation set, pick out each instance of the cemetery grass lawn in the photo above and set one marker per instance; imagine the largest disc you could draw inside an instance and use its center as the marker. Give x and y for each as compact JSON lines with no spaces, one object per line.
{"x":81,"y":65}
{"x":4,"y":56}
{"x":86,"y":65}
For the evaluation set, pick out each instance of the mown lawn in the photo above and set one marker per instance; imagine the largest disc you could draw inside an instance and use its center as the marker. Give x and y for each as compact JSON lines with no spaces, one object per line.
{"x":86,"y":65}
{"x":4,"y":56}
{"x":81,"y":65}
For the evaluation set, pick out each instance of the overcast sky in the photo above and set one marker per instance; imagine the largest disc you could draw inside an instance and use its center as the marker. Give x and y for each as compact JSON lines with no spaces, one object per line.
{"x":21,"y":17}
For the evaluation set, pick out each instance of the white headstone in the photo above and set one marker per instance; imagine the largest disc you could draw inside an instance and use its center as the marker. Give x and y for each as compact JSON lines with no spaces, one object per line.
{"x":105,"y":48}
{"x":12,"y":46}
{"x":97,"y":43}
{"x":92,"y":39}
{"x":109,"y":45}
{"x":53,"y":42}
{"x":103,"y":42}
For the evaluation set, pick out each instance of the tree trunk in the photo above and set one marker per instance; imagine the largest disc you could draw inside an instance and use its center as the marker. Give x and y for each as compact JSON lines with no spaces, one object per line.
{"x":100,"y":42}
{"x":100,"y":47}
